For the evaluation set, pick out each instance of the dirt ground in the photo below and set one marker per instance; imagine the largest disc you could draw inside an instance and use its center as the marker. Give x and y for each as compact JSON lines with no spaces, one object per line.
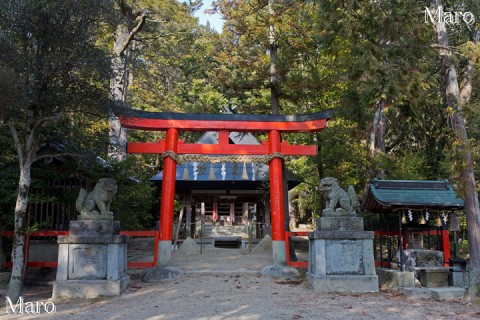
{"x":225,"y":284}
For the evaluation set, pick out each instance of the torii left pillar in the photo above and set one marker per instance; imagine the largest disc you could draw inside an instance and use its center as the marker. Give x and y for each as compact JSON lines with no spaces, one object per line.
{"x":167,"y":204}
{"x":277,"y":206}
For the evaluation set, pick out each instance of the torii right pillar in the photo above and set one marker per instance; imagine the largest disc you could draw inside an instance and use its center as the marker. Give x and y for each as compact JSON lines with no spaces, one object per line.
{"x":277,"y":207}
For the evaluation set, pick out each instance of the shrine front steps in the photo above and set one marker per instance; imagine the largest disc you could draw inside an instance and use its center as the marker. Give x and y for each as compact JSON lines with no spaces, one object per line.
{"x":228,"y":231}
{"x":440,"y":294}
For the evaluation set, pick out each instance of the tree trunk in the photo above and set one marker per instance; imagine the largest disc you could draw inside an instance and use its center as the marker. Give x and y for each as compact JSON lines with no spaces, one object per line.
{"x":377,"y":138}
{"x":16,"y":280}
{"x":467,"y":177}
{"x":376,"y":143}
{"x":120,"y":79}
{"x":118,"y":90}
{"x":381,"y":129}
{"x":274,"y":90}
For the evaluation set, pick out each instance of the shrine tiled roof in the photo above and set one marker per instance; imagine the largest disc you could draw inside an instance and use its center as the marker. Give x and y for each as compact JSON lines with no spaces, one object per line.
{"x":388,"y":195}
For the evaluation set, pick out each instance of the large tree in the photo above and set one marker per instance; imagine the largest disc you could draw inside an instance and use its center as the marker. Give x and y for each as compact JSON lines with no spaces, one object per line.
{"x":457,"y":93}
{"x":50,"y":70}
{"x":130,"y":22}
{"x":157,"y":58}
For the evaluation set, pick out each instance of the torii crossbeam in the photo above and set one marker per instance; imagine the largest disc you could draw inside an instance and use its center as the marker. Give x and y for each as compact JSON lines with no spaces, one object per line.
{"x":172,"y":123}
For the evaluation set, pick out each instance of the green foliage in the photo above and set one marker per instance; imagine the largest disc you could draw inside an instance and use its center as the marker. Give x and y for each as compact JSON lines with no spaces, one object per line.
{"x":46,"y":48}
{"x":331,"y":54}
{"x":8,"y":180}
{"x":135,"y":198}
{"x":406,"y":166}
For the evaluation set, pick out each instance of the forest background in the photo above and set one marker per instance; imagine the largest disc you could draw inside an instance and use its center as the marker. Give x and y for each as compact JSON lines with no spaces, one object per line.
{"x":383,"y":66}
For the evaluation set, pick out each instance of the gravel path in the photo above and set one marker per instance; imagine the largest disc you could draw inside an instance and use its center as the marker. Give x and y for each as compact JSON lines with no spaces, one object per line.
{"x":222,"y":284}
{"x":213,"y":297}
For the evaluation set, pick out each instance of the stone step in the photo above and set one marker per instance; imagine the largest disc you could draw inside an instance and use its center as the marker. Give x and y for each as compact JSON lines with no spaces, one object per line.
{"x":211,"y":230}
{"x":441,"y":294}
{"x":228,"y":229}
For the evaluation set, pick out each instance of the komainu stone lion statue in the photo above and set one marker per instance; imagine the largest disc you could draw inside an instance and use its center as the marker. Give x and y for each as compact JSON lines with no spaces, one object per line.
{"x":338,"y":201}
{"x":96,"y":204}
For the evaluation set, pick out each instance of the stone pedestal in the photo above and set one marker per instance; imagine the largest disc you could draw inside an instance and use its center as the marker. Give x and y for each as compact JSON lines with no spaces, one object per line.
{"x":434,"y":277}
{"x":391,"y":279}
{"x":341,"y":256}
{"x":92,"y":261}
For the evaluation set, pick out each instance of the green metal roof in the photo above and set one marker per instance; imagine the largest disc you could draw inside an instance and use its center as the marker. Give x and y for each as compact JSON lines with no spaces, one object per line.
{"x":388,"y":195}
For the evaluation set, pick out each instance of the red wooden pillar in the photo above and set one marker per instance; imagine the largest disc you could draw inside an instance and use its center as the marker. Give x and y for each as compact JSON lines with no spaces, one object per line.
{"x":277,"y":207}
{"x":168,"y":197}
{"x":446,"y":246}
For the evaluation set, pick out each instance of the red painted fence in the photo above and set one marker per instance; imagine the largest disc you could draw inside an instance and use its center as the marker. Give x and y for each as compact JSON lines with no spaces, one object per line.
{"x":53,"y":264}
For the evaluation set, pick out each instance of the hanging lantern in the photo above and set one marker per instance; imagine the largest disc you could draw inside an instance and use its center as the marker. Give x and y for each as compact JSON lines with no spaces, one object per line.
{"x":185,"y":173}
{"x":422,"y":219}
{"x":454,"y":222}
{"x":244,"y":172}
{"x":212,"y":173}
{"x":438,"y":221}
{"x":404,"y":218}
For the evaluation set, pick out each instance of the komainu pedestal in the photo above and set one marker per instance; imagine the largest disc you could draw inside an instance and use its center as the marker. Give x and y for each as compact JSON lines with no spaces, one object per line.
{"x":341,"y":261}
{"x":341,"y":253}
{"x":92,"y":261}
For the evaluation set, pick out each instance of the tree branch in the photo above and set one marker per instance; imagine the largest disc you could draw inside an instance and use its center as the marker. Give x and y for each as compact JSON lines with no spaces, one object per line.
{"x":18,"y":145}
{"x":132,"y":33}
{"x":466,"y":85}
{"x":40,"y":122}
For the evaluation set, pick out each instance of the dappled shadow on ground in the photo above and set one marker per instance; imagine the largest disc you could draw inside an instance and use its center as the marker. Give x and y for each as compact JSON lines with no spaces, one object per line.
{"x":244,"y":296}
{"x":248,"y":297}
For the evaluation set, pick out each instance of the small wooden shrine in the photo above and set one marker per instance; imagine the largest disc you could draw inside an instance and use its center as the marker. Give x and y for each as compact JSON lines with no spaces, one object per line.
{"x":415,"y":214}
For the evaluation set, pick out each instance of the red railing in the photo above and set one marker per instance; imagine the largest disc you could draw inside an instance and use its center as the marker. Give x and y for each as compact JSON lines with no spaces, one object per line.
{"x":55,"y":233}
{"x":296,"y":264}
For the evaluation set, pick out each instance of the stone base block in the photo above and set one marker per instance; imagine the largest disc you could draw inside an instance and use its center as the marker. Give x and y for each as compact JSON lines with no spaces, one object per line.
{"x":161,"y":274}
{"x":277,"y":271}
{"x":434,"y":277}
{"x":458,"y":279}
{"x":421,"y":293}
{"x":441,"y":294}
{"x":340,"y":223}
{"x":448,"y":294}
{"x":279,"y":252}
{"x":393,"y":279}
{"x":343,"y":283}
{"x":94,"y":227}
{"x":164,"y":252}
{"x":87,"y":289}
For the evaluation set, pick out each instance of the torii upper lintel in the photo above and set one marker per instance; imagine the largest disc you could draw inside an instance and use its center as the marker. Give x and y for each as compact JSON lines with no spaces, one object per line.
{"x":143,"y":120}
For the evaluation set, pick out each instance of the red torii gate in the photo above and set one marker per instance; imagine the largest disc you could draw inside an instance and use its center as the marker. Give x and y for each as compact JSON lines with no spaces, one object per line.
{"x":172,"y":123}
